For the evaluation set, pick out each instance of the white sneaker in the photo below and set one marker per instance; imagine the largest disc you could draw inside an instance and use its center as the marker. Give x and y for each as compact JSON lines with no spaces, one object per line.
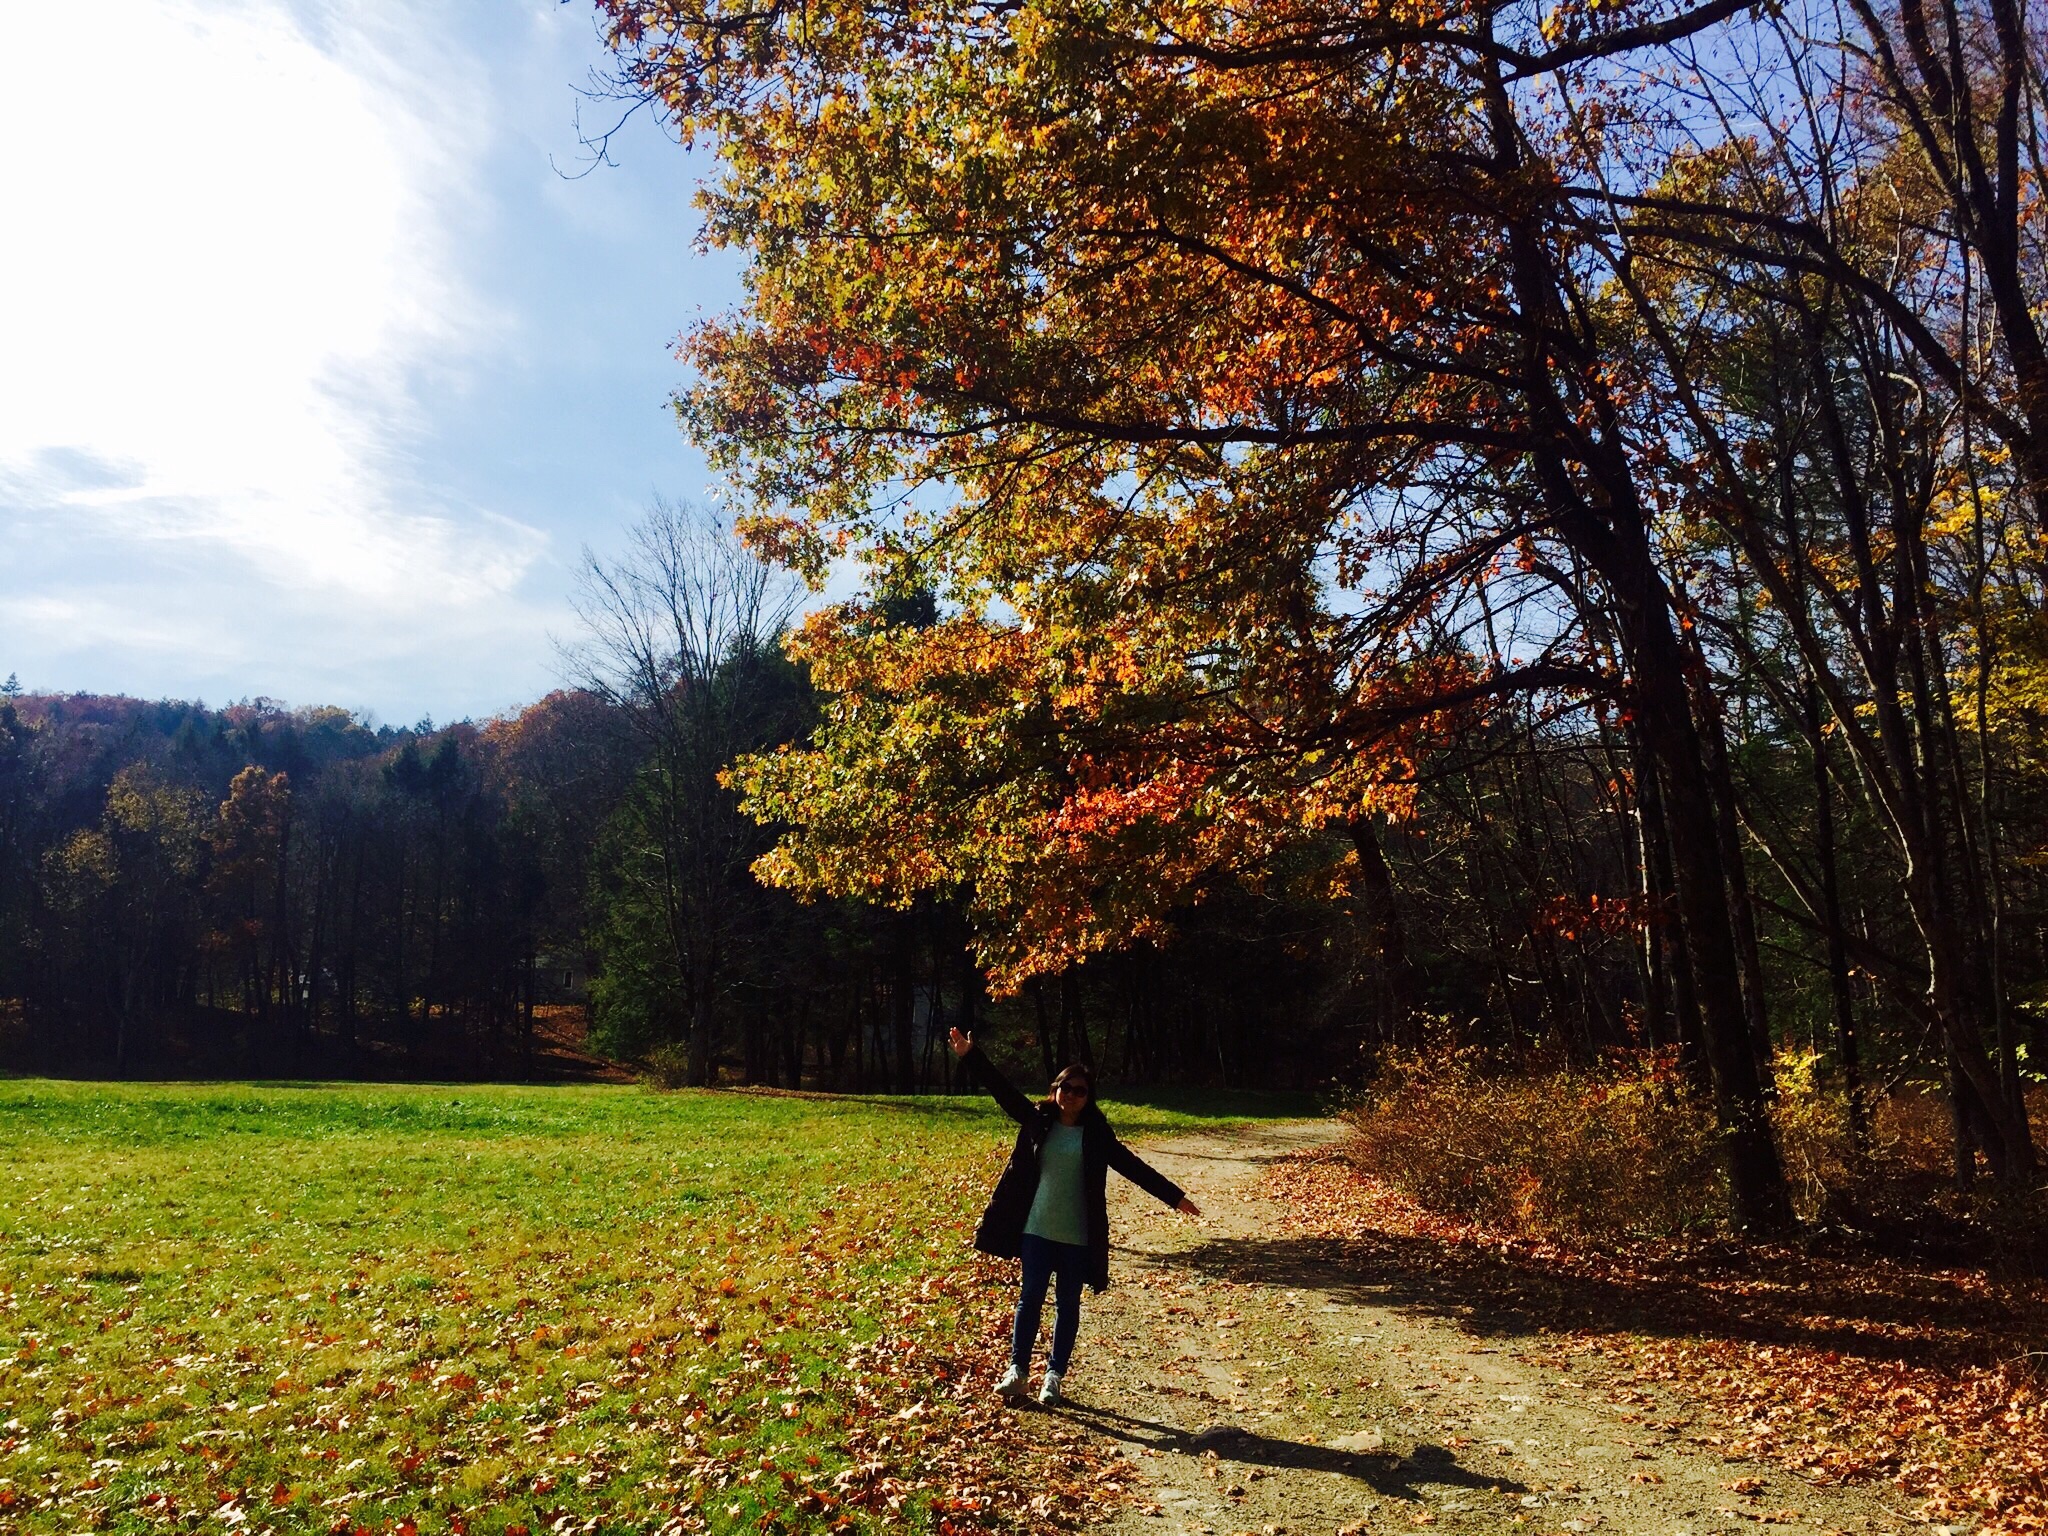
{"x":1011,"y":1387}
{"x":1050,"y":1392}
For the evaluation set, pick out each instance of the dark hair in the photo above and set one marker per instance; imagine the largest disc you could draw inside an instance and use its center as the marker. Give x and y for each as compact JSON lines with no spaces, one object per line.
{"x":1069,"y":1073}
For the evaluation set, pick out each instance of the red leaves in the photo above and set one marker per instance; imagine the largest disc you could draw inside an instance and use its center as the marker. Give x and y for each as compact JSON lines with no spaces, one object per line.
{"x":1570,"y":918}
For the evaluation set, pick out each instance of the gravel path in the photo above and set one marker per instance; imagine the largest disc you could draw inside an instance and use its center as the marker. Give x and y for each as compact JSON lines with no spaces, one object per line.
{"x":1249,"y":1386}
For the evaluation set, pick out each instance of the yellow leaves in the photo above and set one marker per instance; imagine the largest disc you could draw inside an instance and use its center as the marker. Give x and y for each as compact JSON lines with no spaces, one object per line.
{"x":84,"y":864}
{"x":141,"y":804}
{"x":148,"y":839}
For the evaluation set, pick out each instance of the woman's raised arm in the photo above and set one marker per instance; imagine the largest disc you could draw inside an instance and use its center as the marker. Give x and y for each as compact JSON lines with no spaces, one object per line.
{"x":999,"y":1087}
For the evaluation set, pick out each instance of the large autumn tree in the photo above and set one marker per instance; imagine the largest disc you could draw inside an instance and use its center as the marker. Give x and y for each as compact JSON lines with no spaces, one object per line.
{"x":1234,"y":378}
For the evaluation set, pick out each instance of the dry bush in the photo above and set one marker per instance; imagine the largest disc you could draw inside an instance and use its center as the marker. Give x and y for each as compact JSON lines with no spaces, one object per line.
{"x":1619,"y":1150}
{"x":1899,"y":1194}
{"x":1911,"y":1136}
{"x":1623,"y":1150}
{"x":1811,"y":1121}
{"x":667,"y":1066}
{"x":1910,"y":1139}
{"x":1913,"y":1128}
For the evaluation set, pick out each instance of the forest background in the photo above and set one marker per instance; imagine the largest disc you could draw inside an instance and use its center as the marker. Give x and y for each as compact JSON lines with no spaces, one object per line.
{"x":1510,"y":534}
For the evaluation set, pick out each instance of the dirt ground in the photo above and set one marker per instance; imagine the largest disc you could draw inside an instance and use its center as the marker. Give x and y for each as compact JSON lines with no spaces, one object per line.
{"x":1247,"y":1385}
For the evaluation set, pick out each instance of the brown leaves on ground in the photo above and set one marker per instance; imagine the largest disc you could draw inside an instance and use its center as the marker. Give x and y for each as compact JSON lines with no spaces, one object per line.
{"x":1840,"y":1369}
{"x":930,"y":1422}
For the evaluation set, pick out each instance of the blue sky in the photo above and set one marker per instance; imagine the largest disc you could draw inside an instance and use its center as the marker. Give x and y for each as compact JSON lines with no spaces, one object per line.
{"x":315,"y":375}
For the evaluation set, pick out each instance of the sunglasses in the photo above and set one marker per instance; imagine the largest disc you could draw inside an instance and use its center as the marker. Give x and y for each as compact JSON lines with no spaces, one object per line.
{"x":1063,"y":1089}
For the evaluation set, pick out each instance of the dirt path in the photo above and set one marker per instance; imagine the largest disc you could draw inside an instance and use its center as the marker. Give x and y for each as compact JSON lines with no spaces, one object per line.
{"x":1255,"y":1389}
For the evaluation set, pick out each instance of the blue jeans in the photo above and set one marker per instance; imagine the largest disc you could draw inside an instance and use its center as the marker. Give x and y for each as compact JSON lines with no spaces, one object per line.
{"x":1044,"y":1259}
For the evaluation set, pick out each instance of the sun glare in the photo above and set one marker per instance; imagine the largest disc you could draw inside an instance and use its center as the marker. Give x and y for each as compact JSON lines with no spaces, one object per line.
{"x":229,"y":258}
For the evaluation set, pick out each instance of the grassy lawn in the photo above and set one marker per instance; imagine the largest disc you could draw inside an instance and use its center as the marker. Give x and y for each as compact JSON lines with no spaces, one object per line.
{"x":335,"y":1308}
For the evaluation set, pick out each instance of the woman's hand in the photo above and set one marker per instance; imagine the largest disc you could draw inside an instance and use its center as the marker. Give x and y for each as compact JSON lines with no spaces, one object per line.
{"x":1188,"y":1207}
{"x":961,"y":1044}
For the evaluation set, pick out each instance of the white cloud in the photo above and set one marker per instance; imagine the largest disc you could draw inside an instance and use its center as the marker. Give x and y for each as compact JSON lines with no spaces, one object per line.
{"x":230,"y":264}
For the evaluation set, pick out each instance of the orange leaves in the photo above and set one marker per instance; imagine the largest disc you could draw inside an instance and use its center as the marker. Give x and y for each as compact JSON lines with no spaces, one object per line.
{"x":1100,"y":806}
{"x":1131,"y":371}
{"x":1571,"y":918}
{"x":1089,"y":763}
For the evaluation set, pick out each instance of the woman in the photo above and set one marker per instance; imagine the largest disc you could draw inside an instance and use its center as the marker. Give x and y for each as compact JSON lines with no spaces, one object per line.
{"x":1051,"y":1208}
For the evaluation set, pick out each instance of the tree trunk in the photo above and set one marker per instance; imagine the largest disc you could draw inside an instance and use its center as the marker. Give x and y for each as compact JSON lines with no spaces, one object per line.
{"x":1665,"y":930}
{"x":1072,"y":1010}
{"x":973,"y":989}
{"x":1671,"y":741}
{"x":903,"y":1001}
{"x":1044,"y":1028}
{"x":1844,"y":1008}
{"x":700,"y":1029}
{"x":1741,"y":912}
{"x":1394,"y":998}
{"x":526,"y":1003}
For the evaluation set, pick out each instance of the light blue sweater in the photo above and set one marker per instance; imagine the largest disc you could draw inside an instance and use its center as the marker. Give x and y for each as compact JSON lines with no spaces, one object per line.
{"x":1057,"y":1214}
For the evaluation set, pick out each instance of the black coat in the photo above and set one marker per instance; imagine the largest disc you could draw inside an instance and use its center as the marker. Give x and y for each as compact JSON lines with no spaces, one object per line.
{"x":1002,"y":1225}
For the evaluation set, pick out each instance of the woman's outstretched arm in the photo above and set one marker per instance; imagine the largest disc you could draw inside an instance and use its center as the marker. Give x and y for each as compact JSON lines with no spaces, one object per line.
{"x":999,"y":1087}
{"x":1150,"y":1179}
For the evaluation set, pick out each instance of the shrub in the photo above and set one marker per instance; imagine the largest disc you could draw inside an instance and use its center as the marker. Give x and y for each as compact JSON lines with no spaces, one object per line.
{"x":1623,"y":1150}
{"x":1811,"y":1121}
{"x":1911,"y":1140}
{"x":1615,"y":1151}
{"x":667,"y":1065}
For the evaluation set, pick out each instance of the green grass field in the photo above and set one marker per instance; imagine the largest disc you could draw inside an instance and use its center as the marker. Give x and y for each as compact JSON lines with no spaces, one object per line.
{"x":340,"y":1308}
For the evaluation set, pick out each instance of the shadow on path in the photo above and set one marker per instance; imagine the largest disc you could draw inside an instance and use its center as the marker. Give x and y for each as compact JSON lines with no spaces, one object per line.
{"x":1397,"y":1477}
{"x":1755,"y":1296}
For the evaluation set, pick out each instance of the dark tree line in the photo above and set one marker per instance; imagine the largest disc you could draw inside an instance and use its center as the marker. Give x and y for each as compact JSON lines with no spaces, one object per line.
{"x":297,"y":891}
{"x":185,"y":889}
{"x":256,"y":888}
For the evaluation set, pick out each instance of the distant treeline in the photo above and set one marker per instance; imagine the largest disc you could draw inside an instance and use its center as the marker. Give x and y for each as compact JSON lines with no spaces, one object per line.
{"x":256,"y":889}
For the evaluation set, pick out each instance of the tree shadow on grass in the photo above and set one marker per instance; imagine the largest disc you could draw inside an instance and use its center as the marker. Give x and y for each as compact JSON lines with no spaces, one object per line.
{"x":1871,"y":1310}
{"x":1390,"y":1475}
